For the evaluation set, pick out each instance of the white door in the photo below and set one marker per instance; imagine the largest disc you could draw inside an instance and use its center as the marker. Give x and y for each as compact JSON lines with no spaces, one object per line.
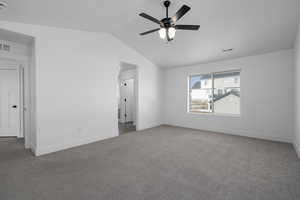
{"x":127,"y":101}
{"x":9,"y":103}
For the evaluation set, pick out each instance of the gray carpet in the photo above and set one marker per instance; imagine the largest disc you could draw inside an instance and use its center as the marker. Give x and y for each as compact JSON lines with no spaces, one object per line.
{"x":163,"y":163}
{"x":127,"y":127}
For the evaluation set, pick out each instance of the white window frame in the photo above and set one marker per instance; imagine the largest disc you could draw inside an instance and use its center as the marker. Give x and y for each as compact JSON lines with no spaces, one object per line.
{"x":212,"y":78}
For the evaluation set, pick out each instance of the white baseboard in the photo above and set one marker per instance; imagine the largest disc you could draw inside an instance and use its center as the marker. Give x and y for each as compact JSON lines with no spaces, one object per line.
{"x":39,"y":151}
{"x":241,"y":133}
{"x":141,"y":128}
{"x":263,"y":137}
{"x":297,"y":148}
{"x":33,"y":149}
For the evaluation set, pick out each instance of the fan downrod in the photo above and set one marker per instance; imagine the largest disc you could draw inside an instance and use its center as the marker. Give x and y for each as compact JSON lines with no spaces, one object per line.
{"x":166,"y":21}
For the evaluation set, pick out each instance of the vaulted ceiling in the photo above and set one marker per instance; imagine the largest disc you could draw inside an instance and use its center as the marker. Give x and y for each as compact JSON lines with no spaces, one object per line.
{"x":248,"y":26}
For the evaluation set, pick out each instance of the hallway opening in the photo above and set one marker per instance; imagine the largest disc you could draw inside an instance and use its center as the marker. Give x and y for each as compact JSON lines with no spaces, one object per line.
{"x":127,"y":98}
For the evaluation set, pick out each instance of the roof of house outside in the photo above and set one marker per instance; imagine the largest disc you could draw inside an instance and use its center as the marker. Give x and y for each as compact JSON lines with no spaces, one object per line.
{"x":197,"y":85}
{"x":219,"y":97}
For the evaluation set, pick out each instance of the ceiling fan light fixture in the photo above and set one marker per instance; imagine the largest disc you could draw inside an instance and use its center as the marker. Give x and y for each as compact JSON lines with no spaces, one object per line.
{"x":167,"y":26}
{"x":171,"y":32}
{"x":162,"y":33}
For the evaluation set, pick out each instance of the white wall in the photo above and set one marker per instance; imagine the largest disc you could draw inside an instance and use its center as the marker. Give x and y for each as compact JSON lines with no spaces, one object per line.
{"x":297,"y":93}
{"x":76,"y":74}
{"x":266,"y":97}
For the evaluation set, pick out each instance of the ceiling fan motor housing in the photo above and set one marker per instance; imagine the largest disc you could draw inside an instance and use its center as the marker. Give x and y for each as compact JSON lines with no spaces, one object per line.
{"x":166,"y":23}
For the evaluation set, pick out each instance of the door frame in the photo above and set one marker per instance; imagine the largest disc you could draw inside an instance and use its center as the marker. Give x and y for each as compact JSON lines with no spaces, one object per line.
{"x":20,"y":81}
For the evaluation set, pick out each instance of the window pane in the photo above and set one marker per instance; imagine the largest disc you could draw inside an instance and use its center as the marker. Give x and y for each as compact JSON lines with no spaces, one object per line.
{"x":227,"y":93}
{"x":200,"y":93}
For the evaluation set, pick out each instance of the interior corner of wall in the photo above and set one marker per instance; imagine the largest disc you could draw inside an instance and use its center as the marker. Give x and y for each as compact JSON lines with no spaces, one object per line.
{"x":297,"y":148}
{"x":33,"y":149}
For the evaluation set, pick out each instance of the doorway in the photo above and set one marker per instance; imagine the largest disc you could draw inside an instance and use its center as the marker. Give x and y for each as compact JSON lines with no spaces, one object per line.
{"x":17,"y":88}
{"x":11,"y":101}
{"x":127,"y":99}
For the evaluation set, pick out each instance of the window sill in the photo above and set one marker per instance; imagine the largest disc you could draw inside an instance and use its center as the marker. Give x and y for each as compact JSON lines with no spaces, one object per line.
{"x":215,"y":114}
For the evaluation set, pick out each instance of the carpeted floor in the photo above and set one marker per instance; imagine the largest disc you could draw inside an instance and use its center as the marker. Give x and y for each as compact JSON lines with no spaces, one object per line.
{"x":126,"y":128}
{"x":163,"y":163}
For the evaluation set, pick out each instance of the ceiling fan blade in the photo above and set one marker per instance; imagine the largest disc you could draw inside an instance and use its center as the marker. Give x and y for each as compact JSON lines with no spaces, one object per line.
{"x":182,"y":11}
{"x":188,"y":27}
{"x":151,"y":31}
{"x":150,"y":18}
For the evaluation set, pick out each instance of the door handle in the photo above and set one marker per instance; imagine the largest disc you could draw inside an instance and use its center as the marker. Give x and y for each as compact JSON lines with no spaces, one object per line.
{"x":14,"y":106}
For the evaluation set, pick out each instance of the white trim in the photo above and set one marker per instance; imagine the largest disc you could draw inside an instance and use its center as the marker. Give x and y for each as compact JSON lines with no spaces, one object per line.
{"x":240,"y":133}
{"x":297,"y":149}
{"x":136,"y":90}
{"x":67,"y":145}
{"x":22,"y":101}
{"x":215,"y":114}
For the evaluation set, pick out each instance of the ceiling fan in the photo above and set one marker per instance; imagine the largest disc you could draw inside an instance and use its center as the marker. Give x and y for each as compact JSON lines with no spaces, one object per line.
{"x":168,"y":25}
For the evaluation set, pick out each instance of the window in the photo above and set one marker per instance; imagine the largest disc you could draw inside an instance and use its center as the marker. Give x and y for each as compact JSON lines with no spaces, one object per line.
{"x":200,"y":93}
{"x":215,"y":93}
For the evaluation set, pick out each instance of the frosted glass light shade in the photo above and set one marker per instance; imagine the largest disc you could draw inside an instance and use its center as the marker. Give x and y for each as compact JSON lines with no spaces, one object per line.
{"x":162,"y":33}
{"x":171,"y":32}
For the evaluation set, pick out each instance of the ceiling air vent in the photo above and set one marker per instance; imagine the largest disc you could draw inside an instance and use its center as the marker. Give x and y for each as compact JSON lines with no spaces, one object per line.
{"x":227,"y":50}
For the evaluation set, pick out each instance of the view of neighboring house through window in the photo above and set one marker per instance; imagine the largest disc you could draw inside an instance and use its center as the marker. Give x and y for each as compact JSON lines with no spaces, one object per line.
{"x":200,"y":93}
{"x":215,"y":92}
